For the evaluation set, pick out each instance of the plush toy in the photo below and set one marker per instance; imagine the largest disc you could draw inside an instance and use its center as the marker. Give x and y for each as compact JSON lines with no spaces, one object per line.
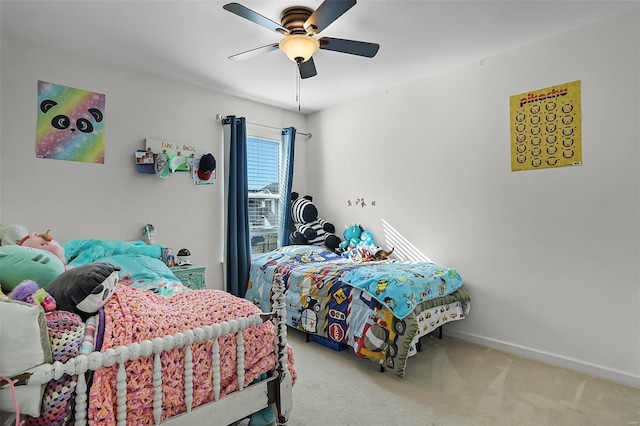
{"x":351,"y":236}
{"x":359,"y":245}
{"x":11,"y":234}
{"x":29,"y":292}
{"x":309,"y":228}
{"x":84,"y":289}
{"x":18,"y":264}
{"x":44,"y":242}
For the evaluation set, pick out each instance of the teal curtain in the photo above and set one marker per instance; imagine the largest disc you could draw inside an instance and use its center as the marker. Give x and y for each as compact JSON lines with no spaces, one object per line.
{"x":287,"y":149}
{"x":238,"y":253}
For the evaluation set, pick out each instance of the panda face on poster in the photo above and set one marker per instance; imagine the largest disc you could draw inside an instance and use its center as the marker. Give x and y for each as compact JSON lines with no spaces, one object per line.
{"x":80,"y":121}
{"x":71,"y":124}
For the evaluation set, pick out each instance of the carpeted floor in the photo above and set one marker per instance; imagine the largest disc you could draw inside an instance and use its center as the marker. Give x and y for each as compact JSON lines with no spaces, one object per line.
{"x":451,"y":382}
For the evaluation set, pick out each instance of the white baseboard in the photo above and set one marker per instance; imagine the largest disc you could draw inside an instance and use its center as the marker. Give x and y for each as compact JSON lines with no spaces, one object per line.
{"x":572,"y":364}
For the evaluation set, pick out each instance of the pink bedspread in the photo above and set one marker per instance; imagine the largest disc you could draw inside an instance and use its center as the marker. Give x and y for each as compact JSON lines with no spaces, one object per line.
{"x":133,"y":315}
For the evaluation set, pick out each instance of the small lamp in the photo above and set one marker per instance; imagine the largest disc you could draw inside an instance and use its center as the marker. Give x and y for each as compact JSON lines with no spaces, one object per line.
{"x":184,"y":257}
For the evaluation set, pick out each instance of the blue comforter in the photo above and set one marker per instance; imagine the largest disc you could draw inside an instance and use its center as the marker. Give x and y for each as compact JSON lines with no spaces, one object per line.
{"x":398,"y":285}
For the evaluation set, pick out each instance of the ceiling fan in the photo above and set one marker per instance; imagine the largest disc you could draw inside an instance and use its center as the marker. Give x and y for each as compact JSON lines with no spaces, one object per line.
{"x":299,"y":24}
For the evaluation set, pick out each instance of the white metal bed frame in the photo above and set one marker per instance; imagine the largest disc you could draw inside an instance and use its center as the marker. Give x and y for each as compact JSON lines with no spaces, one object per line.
{"x":220,"y":411}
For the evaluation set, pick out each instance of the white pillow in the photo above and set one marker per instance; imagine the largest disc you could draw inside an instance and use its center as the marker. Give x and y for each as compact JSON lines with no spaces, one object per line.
{"x":24,"y":343}
{"x":11,"y":233}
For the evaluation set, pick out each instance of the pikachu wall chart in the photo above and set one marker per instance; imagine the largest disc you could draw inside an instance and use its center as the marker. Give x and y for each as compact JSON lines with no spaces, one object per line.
{"x":546,"y":128}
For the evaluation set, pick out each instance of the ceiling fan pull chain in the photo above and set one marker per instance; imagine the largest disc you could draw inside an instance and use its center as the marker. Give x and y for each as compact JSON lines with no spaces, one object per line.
{"x":297,"y":86}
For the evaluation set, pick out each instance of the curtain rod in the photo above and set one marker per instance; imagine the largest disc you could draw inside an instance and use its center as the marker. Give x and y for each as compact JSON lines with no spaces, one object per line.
{"x":220,"y":117}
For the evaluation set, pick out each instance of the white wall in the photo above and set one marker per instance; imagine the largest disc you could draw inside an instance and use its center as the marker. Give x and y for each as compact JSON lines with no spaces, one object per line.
{"x":113,"y":201}
{"x":550,"y":257}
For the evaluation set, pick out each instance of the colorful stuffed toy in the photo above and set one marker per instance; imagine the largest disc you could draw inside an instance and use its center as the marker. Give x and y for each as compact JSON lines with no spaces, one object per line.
{"x":351,"y":237}
{"x":44,"y":242}
{"x":309,"y":228}
{"x":29,"y":292}
{"x":359,"y":245}
{"x":84,"y":289}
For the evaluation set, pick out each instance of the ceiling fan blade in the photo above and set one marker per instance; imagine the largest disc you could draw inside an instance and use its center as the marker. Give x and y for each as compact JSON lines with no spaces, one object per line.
{"x":255,"y":52}
{"x":307,"y":68}
{"x":255,"y":17}
{"x":326,"y":13}
{"x":352,"y":47}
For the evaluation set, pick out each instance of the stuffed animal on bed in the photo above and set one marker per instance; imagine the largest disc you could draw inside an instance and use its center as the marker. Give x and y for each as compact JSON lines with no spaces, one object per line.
{"x":359,"y":245}
{"x":44,"y":242}
{"x":18,"y":263}
{"x":309,"y":228}
{"x":29,"y":292}
{"x":351,"y":236}
{"x":84,"y":289}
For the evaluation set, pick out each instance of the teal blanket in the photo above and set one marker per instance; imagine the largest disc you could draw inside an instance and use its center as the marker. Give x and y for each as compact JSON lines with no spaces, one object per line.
{"x":79,"y":252}
{"x":140,"y":263}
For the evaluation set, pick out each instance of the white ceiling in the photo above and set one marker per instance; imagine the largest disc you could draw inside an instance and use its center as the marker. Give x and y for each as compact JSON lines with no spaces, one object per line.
{"x":192,"y":40}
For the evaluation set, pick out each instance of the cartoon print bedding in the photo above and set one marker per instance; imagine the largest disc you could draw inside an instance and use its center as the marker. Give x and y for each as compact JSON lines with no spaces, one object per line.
{"x":378,"y":308}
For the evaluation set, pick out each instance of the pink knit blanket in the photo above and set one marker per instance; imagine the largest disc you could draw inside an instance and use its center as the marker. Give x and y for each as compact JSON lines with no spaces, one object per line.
{"x":133,"y":315}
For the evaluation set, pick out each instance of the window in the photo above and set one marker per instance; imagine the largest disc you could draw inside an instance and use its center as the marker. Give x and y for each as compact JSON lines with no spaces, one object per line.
{"x":264,"y":193}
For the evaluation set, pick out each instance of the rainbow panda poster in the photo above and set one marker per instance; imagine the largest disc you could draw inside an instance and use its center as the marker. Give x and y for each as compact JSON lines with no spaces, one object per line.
{"x":70,"y":124}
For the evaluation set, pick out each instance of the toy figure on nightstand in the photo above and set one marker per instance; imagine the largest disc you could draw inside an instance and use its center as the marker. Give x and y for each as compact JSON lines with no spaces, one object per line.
{"x":189,"y":274}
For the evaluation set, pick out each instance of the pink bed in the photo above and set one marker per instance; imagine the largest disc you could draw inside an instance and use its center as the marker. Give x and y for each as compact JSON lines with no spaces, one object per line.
{"x":201,"y":357}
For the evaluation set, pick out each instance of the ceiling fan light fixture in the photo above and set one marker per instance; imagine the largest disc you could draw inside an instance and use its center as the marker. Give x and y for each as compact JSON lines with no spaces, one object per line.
{"x":299,"y":47}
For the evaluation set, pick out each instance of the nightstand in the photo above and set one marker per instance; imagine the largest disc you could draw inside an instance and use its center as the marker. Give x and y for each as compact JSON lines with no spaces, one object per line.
{"x":191,"y":276}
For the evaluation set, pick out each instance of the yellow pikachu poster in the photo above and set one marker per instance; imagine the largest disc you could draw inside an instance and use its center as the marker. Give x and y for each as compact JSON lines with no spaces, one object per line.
{"x":546,"y":128}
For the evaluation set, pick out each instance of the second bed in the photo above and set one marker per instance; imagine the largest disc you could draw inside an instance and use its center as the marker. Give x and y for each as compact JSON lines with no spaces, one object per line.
{"x":378,"y":308}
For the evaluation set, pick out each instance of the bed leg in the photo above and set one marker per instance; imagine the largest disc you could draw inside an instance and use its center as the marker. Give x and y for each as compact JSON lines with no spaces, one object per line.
{"x":284,"y":402}
{"x":440,"y":332}
{"x":419,"y":345}
{"x":307,"y":337}
{"x":381,"y":368}
{"x":284,"y":385}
